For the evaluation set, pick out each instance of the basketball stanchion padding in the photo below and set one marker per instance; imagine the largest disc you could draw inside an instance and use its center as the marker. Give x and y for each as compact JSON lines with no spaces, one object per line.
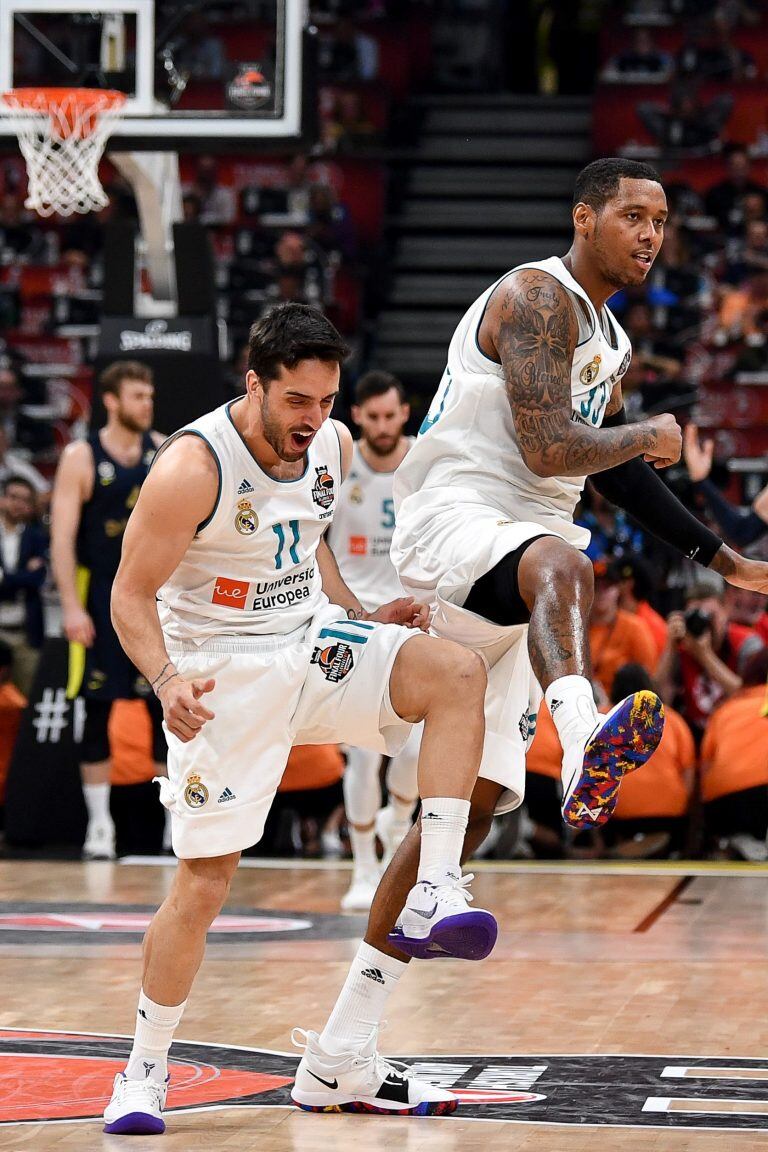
{"x":62,"y":133}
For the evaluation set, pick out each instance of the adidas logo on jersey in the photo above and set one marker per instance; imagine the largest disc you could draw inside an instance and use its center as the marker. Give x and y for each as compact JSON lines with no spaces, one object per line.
{"x":245,"y":486}
{"x":226,"y":795}
{"x":554,"y":706}
{"x":373,"y":974}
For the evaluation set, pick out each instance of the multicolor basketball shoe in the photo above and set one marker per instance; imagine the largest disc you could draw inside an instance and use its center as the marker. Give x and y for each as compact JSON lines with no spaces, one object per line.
{"x":361,"y":1081}
{"x":437,"y":923}
{"x":136,"y":1106}
{"x":619,"y":743}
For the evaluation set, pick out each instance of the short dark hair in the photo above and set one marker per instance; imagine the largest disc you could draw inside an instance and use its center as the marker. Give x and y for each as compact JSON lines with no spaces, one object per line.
{"x":599,"y":181}
{"x":289,"y":333}
{"x":114,"y":374}
{"x":377,"y":383}
{"x":16,"y":479}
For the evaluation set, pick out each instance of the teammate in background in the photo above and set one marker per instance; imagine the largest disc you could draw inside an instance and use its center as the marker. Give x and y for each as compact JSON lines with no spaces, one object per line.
{"x":230,"y":602}
{"x":361,"y":537}
{"x":529,"y":405}
{"x":96,"y":486}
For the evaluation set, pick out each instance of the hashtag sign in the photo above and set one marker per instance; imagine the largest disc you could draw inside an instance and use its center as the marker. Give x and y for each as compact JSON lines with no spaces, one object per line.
{"x":52,"y":715}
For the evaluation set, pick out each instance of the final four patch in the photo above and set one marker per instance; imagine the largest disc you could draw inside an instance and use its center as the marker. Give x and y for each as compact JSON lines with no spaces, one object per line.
{"x":323,"y":489}
{"x":335,"y":661}
{"x":55,"y":1076}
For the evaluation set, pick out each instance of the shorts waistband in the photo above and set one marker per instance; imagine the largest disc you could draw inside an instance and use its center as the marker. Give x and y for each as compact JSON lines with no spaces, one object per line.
{"x":226,"y":645}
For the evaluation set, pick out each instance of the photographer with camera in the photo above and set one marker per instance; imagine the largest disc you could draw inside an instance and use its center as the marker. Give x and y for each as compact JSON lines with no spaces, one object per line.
{"x":704,"y":654}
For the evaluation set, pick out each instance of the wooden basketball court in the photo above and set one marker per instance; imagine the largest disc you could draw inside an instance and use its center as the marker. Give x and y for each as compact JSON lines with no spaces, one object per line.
{"x":594,"y":962}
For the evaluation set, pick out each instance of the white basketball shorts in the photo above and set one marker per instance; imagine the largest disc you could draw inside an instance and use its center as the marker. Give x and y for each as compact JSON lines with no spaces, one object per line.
{"x":327,"y":683}
{"x":439,"y":560}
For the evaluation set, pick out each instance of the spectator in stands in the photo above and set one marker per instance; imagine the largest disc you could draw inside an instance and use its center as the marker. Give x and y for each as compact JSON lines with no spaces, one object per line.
{"x":705,"y":650}
{"x":192,"y":208}
{"x":12,"y":704}
{"x":734,"y":766}
{"x":651,"y":817}
{"x":636,"y":588}
{"x":134,"y":802}
{"x":708,"y":53}
{"x":19,"y":239}
{"x":613,"y":534}
{"x":739,"y":527}
{"x":329,"y":225}
{"x":724,"y":200}
{"x":737,"y":317}
{"x":616,"y":637}
{"x":675,"y":285}
{"x":749,"y":255}
{"x":687,"y":123}
{"x":754,"y":356}
{"x":642,"y":62}
{"x":298,"y":265}
{"x":217,"y":202}
{"x":348,"y":54}
{"x":22,"y":433}
{"x":651,"y":346}
{"x":13,"y":464}
{"x":23,"y":567}
{"x":347,"y":127}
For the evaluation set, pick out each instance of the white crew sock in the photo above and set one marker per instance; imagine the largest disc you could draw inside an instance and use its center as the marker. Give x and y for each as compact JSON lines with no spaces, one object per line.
{"x":155,"y":1026}
{"x":372,"y":979}
{"x":571,"y":702}
{"x":443,"y":828}
{"x":97,"y":803}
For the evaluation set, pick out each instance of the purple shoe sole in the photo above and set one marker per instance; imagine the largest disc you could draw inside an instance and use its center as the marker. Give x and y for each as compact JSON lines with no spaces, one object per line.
{"x":470,"y":936}
{"x":136,"y":1124}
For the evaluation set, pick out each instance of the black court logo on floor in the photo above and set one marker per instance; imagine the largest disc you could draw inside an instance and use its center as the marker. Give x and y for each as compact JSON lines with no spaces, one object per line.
{"x":44,"y":923}
{"x":57,"y":1076}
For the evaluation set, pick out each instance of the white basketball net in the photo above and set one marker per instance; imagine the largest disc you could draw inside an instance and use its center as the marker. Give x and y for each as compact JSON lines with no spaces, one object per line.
{"x":62,"y":134}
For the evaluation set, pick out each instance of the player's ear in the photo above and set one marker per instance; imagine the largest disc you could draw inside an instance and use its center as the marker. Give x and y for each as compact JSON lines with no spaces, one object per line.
{"x":584,"y":218}
{"x":354,"y":412}
{"x":252,"y":382}
{"x":405,"y":408}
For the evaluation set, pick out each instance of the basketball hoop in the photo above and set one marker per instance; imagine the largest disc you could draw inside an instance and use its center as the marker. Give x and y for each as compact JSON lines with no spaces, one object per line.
{"x":62,"y":133}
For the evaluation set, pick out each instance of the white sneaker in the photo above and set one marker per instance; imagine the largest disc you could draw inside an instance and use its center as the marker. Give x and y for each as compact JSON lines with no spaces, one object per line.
{"x":135,"y":1107}
{"x":99,"y":842}
{"x":619,"y":743}
{"x":359,"y":896}
{"x":437,"y":921}
{"x":361,"y":1081}
{"x":391,"y":832}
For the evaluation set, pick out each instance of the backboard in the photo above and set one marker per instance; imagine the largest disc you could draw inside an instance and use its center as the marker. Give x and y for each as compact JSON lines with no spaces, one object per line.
{"x":200,"y":76}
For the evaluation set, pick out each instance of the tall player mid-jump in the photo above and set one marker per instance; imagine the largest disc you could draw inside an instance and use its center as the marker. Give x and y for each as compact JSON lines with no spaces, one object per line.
{"x":529,"y":405}
{"x":361,"y":538}
{"x":229,"y":600}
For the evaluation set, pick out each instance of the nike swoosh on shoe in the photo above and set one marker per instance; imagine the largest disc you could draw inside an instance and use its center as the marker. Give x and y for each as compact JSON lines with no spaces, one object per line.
{"x":426,"y":915}
{"x":328,"y":1083}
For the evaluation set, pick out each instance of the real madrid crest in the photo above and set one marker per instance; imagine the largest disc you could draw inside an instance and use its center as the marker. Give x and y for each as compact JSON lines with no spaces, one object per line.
{"x":246,"y":520}
{"x":589,"y":372}
{"x":195,"y":793}
{"x":356,"y":494}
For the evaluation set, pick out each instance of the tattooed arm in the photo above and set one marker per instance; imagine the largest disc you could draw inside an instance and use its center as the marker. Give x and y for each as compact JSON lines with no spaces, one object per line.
{"x":532,"y":327}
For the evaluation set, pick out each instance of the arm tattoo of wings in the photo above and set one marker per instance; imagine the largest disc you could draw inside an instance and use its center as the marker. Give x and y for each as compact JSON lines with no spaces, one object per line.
{"x":536,"y":339}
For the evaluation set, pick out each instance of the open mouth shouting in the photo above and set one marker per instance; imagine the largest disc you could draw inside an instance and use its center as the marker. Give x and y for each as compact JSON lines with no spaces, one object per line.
{"x":644,"y":258}
{"x":300,"y":441}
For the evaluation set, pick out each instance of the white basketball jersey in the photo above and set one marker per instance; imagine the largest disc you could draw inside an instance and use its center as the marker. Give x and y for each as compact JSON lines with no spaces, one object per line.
{"x":251,"y":569}
{"x":467,"y":450}
{"x":361,"y":534}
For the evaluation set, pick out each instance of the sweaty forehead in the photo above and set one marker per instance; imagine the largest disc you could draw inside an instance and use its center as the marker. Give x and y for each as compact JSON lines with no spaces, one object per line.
{"x":648,"y":193}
